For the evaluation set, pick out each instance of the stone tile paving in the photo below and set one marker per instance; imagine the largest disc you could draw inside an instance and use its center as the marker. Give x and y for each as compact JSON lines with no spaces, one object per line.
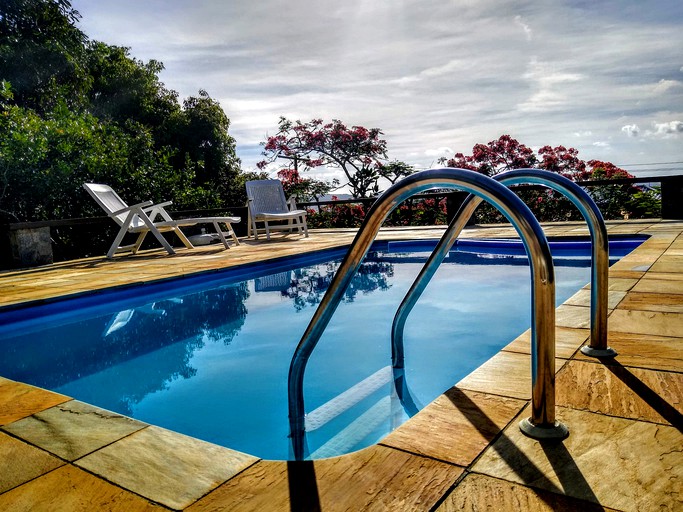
{"x":18,"y":400}
{"x":567,"y":342}
{"x":462,"y":452}
{"x":166,"y":467}
{"x":27,"y":462}
{"x":376,"y":478}
{"x":73,"y":429}
{"x":69,"y":489}
{"x":616,"y":462}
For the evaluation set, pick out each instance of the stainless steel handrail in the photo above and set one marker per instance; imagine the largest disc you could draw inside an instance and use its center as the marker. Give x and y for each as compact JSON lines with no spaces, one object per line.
{"x":599,"y":258}
{"x":542,"y":423}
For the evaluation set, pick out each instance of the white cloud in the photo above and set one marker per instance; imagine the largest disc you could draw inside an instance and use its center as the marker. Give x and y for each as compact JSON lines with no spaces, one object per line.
{"x":525,"y":27}
{"x":453,"y":67}
{"x":443,"y":151}
{"x":664,"y":86}
{"x":601,"y":144}
{"x":549,"y":83}
{"x":672,"y":128}
{"x":663,"y":131}
{"x":446,"y":69}
{"x":431,"y":74}
{"x":631,"y":130}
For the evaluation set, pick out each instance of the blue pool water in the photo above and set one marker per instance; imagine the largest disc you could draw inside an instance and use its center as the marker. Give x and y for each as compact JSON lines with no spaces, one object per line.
{"x":208,"y":356}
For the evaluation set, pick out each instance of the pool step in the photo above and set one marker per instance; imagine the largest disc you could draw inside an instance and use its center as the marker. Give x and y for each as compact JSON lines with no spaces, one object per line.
{"x":344,"y":401}
{"x":356,"y":431}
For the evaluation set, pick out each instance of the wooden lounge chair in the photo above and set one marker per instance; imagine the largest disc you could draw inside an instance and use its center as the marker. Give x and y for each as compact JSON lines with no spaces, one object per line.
{"x":266,"y":203}
{"x":140,"y":219}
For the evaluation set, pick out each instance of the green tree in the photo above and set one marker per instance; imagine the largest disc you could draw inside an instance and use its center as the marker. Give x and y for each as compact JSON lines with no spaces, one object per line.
{"x":45,"y":161}
{"x":395,"y":170}
{"x":203,"y":147}
{"x":614,"y":201}
{"x":123,"y":88}
{"x":42,"y":53}
{"x":195,"y":135}
{"x":75,"y":110}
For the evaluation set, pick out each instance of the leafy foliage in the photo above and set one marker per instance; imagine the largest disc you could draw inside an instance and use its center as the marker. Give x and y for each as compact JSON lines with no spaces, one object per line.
{"x":506,"y":153}
{"x":44,"y":161}
{"x":337,"y":216}
{"x":395,"y":170}
{"x":124,"y":88}
{"x":42,"y":52}
{"x":74,"y":110}
{"x":497,"y":156}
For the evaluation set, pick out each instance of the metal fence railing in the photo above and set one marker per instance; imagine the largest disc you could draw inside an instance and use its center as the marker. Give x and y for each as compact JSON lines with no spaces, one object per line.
{"x":671,"y":193}
{"x":58,"y":234}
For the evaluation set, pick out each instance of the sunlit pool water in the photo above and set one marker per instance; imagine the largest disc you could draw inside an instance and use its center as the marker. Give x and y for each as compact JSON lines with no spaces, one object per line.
{"x":209,"y":356}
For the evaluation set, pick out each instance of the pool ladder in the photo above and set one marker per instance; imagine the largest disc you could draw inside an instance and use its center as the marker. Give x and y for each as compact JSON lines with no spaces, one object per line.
{"x":542,"y":423}
{"x":597,"y":346}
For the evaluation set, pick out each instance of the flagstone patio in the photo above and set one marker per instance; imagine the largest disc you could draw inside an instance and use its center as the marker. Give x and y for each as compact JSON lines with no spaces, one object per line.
{"x":464,"y":451}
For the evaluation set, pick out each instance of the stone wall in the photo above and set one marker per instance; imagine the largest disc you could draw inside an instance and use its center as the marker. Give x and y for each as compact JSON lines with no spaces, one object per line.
{"x":31,"y":246}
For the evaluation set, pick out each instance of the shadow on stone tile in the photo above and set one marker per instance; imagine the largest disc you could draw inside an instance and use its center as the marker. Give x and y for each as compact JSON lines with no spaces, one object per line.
{"x":571,"y":478}
{"x":628,"y":465}
{"x":651,"y":397}
{"x":303,"y":487}
{"x":374,"y":478}
{"x":481,"y":492}
{"x":556,"y":452}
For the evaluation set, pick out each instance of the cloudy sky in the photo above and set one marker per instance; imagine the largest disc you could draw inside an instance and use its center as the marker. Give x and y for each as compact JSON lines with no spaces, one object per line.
{"x":437,"y":76}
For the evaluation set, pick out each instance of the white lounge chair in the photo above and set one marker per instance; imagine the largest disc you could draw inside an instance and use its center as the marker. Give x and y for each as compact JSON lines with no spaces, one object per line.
{"x":140,"y":219}
{"x":266,"y":203}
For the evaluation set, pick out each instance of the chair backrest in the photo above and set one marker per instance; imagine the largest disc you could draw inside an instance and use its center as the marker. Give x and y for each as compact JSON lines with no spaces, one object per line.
{"x":110,"y":202}
{"x":266,"y":196}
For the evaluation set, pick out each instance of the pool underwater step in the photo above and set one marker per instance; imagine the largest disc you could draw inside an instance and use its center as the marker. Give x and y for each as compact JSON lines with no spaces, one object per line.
{"x":349,"y":437}
{"x":347,"y":399}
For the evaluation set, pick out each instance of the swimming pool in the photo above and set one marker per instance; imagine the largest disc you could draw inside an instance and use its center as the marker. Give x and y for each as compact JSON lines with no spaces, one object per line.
{"x":208,"y":356}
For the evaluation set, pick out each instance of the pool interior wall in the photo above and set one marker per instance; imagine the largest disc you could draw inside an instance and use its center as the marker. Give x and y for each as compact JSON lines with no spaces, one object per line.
{"x":199,"y":356}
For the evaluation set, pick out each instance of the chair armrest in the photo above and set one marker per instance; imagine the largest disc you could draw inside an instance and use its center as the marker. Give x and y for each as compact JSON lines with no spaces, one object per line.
{"x":160,"y":205}
{"x":138,"y":206}
{"x":158,"y":209}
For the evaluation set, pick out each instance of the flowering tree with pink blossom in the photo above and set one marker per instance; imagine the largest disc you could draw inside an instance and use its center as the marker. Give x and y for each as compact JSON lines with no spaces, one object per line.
{"x":359,"y":152}
{"x":564,"y":161}
{"x":497,"y":156}
{"x":506,"y":153}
